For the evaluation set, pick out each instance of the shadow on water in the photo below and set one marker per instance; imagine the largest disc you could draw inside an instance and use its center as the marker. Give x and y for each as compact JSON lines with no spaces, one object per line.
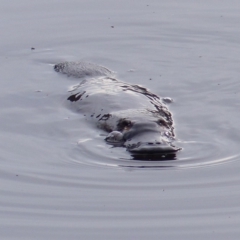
{"x":151,"y":161}
{"x":154,"y":157}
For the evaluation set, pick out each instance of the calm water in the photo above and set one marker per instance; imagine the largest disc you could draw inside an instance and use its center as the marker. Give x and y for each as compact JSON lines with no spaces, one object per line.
{"x":59,"y":179}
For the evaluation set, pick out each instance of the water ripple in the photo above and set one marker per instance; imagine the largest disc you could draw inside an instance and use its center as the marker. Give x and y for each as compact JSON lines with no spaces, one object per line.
{"x":193,"y":154}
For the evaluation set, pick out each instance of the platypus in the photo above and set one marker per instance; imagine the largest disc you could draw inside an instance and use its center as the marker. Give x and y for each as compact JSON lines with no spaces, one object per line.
{"x":133,"y":116}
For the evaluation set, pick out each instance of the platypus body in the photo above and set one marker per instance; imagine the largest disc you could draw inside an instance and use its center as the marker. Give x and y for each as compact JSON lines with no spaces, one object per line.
{"x":133,"y":117}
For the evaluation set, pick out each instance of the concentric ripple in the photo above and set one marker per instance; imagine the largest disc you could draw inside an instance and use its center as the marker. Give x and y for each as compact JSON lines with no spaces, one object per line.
{"x":194,"y":154}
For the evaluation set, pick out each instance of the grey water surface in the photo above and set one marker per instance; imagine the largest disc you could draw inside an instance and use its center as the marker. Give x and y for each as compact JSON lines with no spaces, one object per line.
{"x":60,"y":180}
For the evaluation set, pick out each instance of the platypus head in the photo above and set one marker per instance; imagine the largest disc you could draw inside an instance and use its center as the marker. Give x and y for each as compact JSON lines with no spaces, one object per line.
{"x":144,"y":137}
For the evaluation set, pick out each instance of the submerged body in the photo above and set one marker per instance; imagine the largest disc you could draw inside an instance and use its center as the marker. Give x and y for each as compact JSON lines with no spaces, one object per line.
{"x":133,"y":116}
